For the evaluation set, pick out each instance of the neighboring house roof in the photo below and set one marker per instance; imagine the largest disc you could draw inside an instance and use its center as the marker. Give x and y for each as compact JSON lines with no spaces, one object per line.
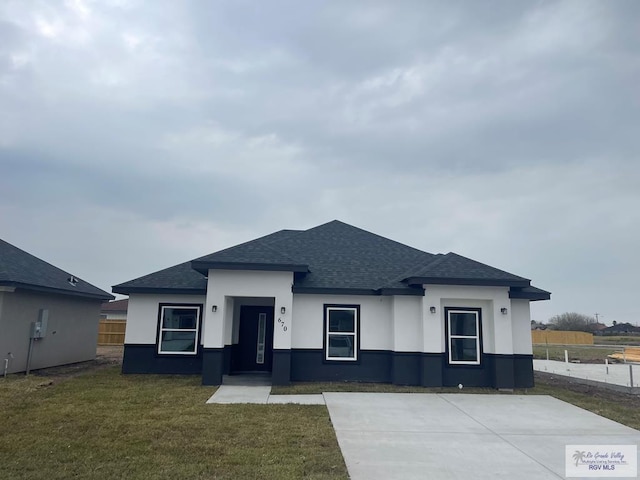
{"x":119,"y":306}
{"x":337,"y":258}
{"x":622,"y":328}
{"x":20,"y":269}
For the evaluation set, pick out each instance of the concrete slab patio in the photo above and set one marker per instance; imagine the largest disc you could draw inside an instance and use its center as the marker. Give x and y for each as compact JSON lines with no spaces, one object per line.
{"x":458,"y":436}
{"x":261,"y":395}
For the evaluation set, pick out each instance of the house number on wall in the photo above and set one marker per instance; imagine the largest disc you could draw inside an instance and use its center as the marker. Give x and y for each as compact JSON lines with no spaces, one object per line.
{"x":281,"y":322}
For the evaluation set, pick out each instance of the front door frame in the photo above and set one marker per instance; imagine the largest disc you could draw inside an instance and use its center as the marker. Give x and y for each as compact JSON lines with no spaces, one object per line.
{"x":245,"y":353}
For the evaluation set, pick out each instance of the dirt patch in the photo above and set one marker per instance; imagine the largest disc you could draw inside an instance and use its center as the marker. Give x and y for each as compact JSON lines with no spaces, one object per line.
{"x":105,"y":356}
{"x":600,"y":393}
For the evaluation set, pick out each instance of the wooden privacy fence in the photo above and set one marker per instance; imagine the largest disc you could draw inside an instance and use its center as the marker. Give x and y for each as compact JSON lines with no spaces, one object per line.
{"x":111,"y":332}
{"x":561,"y":337}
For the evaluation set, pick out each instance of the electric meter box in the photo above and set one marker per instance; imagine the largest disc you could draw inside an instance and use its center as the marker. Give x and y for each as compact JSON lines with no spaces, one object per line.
{"x":39,"y":328}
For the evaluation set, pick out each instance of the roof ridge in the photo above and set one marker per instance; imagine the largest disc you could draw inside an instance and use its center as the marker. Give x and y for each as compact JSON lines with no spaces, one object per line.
{"x":340,"y":222}
{"x":248,"y":242}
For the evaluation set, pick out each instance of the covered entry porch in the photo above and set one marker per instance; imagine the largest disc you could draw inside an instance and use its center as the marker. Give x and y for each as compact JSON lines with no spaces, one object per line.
{"x":247,"y":326}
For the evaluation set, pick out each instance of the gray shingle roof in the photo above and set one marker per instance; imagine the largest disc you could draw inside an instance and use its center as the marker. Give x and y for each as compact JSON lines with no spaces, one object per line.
{"x":22,"y":270}
{"x":258,"y":252}
{"x":177,"y":279}
{"x":334,"y":257}
{"x":456,"y":269}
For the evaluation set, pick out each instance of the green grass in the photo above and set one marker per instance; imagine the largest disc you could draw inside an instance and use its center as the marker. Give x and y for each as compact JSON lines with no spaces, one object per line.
{"x":620,"y":340}
{"x":582,"y":354}
{"x":619,"y":407}
{"x":104,"y":425}
{"x":320,"y":387}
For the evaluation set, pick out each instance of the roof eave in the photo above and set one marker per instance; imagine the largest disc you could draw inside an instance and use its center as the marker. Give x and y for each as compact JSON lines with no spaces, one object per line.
{"x":334,"y":291}
{"x":532,"y":296}
{"x":417,"y":292}
{"x":39,"y":288}
{"x":203,"y":266}
{"x":127,"y":290}
{"x":483,"y":282}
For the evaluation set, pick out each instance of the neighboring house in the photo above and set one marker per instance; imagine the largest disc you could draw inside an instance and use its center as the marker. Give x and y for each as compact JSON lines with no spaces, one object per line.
{"x":333,"y":303}
{"x":33,"y":290}
{"x":621,"y":329}
{"x":113,"y":322}
{"x":538,"y":325}
{"x":114,"y":310}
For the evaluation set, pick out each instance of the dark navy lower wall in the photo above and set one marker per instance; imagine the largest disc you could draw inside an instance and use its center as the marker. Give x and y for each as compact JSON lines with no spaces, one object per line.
{"x":414,"y":368}
{"x":523,"y":371}
{"x":281,"y":369}
{"x":213,"y":365}
{"x":142,"y":358}
{"x":309,"y":366}
{"x":305,"y":365}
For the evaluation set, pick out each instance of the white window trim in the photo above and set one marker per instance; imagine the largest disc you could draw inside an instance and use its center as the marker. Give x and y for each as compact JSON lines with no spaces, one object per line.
{"x":476,"y":337}
{"x":196,"y":330}
{"x":355,"y":335}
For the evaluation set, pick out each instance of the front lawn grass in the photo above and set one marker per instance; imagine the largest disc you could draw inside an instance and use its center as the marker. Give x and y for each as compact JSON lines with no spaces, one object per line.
{"x":620,"y":407}
{"x":103,"y":425}
{"x":301,"y":388}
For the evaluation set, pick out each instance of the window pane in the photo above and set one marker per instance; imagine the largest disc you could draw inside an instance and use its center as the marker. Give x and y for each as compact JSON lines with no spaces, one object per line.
{"x":178,"y":342}
{"x":262,"y":331}
{"x":342,"y":321}
{"x":464,"y":350}
{"x":462,"y":324}
{"x":341,"y":346}
{"x":180,"y":318}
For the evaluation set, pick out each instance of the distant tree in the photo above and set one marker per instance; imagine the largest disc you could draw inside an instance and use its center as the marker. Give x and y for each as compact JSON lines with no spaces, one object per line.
{"x":572,"y":321}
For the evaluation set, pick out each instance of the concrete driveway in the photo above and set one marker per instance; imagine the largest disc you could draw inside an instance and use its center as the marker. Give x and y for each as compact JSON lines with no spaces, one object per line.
{"x":460,"y":436}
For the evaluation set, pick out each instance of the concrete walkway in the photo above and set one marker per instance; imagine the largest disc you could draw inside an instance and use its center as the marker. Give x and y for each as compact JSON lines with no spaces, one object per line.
{"x":260,"y":394}
{"x":462,"y":436}
{"x":617,"y":378}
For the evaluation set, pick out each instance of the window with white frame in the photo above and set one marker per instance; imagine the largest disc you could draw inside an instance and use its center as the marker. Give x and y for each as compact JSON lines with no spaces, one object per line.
{"x":463,"y":327}
{"x":341,"y":332}
{"x":178,"y":330}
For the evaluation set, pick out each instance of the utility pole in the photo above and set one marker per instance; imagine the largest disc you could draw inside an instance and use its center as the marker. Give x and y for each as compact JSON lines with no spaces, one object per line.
{"x":597,"y":315}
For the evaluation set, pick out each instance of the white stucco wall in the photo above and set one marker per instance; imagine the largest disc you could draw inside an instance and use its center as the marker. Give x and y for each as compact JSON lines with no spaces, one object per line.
{"x":376,"y":332}
{"x":407,"y":323}
{"x":496,"y":328}
{"x":223,"y":285}
{"x":521,"y":324}
{"x":142,"y":315}
{"x":400,"y":323}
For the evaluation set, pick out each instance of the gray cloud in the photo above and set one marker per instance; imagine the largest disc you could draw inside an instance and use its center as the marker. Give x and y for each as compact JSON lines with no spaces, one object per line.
{"x":503,"y":130}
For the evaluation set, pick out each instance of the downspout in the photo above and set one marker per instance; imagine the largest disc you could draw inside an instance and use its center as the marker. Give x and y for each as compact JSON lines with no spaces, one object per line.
{"x":29,"y":356}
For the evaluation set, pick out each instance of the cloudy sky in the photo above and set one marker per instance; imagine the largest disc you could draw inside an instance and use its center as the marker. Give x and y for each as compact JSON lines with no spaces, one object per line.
{"x":136,"y":135}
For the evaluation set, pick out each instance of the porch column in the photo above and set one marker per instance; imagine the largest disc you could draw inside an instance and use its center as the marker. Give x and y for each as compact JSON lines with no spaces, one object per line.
{"x":433,"y":339}
{"x":504,"y":374}
{"x":213,"y":334}
{"x":283,"y":325}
